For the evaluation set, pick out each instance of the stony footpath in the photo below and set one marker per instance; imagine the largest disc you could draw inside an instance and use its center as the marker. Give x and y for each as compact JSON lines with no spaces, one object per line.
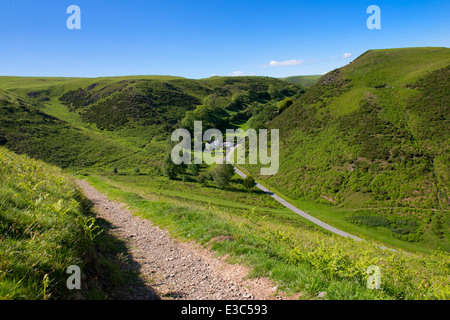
{"x":174,"y":269}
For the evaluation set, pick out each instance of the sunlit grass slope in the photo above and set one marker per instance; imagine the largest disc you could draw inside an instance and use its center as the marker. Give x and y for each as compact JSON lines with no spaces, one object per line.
{"x":42,"y":228}
{"x":374,"y":136}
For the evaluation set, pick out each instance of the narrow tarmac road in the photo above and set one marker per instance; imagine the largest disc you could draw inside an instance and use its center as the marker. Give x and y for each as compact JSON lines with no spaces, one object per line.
{"x":290,"y":206}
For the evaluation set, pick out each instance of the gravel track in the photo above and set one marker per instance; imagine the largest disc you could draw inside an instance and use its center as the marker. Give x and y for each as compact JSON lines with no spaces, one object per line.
{"x":173,"y":269}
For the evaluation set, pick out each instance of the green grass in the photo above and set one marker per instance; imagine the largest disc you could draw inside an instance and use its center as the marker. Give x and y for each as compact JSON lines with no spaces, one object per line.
{"x":10,"y":82}
{"x":46,"y":226}
{"x":305,"y":81}
{"x":365,"y":142}
{"x":339,"y":218}
{"x":42,"y":218}
{"x":298,"y":257}
{"x":236,"y":197}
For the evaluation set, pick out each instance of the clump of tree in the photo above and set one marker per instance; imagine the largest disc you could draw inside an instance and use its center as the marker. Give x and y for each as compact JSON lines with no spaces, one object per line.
{"x":202,"y":179}
{"x":283,"y":105}
{"x":169,"y":168}
{"x":194,"y":169}
{"x":208,"y":112}
{"x":237,"y":101}
{"x":222,"y":175}
{"x":249,"y":182}
{"x":260,"y":114}
{"x":172,"y":170}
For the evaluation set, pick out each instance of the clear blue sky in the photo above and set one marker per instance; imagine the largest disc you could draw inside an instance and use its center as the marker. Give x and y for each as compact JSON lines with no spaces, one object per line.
{"x":197,"y":39}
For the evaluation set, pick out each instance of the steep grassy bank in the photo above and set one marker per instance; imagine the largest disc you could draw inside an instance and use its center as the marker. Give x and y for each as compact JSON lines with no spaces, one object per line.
{"x":25,"y":129}
{"x":45,"y":227}
{"x":42,"y":219}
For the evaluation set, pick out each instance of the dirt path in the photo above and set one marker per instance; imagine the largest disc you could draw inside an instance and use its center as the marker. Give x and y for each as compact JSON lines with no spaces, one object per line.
{"x":175,"y":269}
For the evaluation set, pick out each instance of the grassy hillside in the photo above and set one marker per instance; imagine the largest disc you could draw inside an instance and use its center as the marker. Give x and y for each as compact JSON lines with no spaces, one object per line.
{"x":365,"y":149}
{"x":373,"y":137}
{"x":46,"y":225}
{"x":123,"y":122}
{"x":42,"y":221}
{"x":121,"y":105}
{"x":304,"y":81}
{"x":24,"y":128}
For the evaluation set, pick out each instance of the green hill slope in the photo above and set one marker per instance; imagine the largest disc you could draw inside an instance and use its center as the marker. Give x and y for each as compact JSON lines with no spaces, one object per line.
{"x":101,"y":123}
{"x":374,"y":136}
{"x":24,"y":128}
{"x":41,"y":228}
{"x":370,"y":139}
{"x":305,"y":81}
{"x":156,"y":103}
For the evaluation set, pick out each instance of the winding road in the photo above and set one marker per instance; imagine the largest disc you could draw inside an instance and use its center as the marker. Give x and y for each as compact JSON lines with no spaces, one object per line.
{"x":290,"y":206}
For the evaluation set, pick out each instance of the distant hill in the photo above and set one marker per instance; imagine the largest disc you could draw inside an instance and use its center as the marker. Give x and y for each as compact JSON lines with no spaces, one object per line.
{"x":119,"y":121}
{"x":26,"y":129}
{"x":305,"y":81}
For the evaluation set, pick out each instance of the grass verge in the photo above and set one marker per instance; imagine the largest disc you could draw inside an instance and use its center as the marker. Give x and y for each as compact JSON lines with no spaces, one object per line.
{"x":46,"y":226}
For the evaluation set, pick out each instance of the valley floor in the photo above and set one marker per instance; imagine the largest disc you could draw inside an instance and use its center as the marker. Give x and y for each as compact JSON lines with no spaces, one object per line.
{"x":171,"y":269}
